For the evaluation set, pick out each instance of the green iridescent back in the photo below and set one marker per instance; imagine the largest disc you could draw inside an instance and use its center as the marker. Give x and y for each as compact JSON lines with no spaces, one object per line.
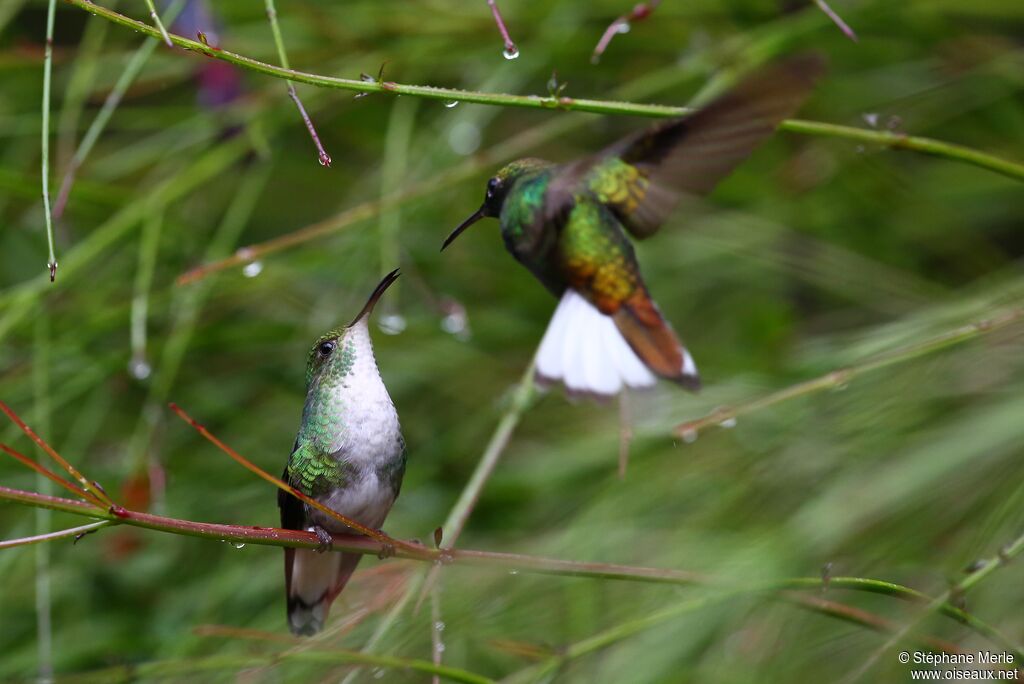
{"x":312,"y":466}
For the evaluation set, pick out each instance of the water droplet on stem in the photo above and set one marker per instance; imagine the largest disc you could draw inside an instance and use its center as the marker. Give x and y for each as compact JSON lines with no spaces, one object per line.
{"x":510,"y":52}
{"x":252,"y":269}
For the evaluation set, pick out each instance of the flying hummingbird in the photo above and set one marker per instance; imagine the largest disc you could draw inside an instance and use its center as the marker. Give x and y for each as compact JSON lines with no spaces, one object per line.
{"x":349,"y":455}
{"x":567,"y":224}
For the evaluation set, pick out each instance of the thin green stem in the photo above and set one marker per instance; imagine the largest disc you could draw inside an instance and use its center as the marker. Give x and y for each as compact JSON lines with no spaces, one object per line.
{"x":612,"y":635}
{"x":325,"y":159}
{"x":186,"y":306}
{"x":520,"y":401}
{"x":502,"y":151}
{"x":389,"y":619}
{"x":80,"y":82}
{"x":148,"y":248}
{"x":885,"y":139}
{"x":269,"y":536}
{"x":42,"y":415}
{"x":951,"y":596}
{"x":455,"y":523}
{"x":18,"y":302}
{"x":839,"y":378}
{"x":51,"y":11}
{"x":159,"y":24}
{"x":110,"y":104}
{"x":50,"y":536}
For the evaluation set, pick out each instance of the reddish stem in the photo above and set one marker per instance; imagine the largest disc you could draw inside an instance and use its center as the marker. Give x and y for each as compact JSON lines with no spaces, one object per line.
{"x":46,"y":472}
{"x":325,"y":159}
{"x":510,"y":47}
{"x":640,"y":12}
{"x":357,"y":526}
{"x":837,"y":20}
{"x":97,"y":493}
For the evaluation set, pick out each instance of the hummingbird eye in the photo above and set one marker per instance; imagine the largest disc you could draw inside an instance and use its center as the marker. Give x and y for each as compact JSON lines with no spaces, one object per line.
{"x":327,"y":347}
{"x":492,"y":185}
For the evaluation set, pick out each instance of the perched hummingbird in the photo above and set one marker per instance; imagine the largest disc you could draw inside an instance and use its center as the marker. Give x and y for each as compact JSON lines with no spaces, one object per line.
{"x":567,"y":224}
{"x":349,"y":455}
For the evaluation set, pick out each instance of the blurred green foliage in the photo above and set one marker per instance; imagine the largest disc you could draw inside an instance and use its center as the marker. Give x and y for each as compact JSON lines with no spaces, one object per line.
{"x":815,"y":255}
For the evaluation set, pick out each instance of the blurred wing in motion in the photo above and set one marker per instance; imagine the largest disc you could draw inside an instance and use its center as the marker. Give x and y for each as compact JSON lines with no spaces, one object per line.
{"x":642,"y":177}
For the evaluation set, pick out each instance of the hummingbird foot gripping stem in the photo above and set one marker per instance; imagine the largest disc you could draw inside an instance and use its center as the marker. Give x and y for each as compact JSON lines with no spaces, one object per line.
{"x":387,"y":549}
{"x":326,"y":539}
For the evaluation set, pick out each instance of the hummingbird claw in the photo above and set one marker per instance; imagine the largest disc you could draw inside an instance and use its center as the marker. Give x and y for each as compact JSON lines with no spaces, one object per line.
{"x":387,"y":550}
{"x":325,"y":538}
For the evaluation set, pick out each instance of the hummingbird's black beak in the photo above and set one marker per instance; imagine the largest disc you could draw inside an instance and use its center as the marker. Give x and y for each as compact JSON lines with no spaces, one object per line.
{"x":477,"y":215}
{"x":384,"y":284}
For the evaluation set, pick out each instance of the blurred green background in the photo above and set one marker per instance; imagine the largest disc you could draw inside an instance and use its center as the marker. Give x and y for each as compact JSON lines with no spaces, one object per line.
{"x":817,"y":254}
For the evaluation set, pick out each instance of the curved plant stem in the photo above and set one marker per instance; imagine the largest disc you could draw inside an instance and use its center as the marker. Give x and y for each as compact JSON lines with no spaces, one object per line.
{"x":385,"y":541}
{"x":498,"y":153}
{"x":911,"y":595}
{"x":953,"y":595}
{"x":51,"y":11}
{"x":455,"y":523}
{"x":520,"y":401}
{"x":50,"y":536}
{"x":17,"y":302}
{"x":270,"y":536}
{"x":423,"y":582}
{"x":886,"y":139}
{"x":839,"y":378}
{"x":605,"y":638}
{"x":325,"y":159}
{"x":47,"y":473}
{"x":622,"y":24}
{"x":88,"y":486}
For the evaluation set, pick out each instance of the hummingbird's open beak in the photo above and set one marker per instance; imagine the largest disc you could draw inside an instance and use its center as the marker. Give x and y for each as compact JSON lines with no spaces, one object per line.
{"x":477,"y":215}
{"x":384,"y":284}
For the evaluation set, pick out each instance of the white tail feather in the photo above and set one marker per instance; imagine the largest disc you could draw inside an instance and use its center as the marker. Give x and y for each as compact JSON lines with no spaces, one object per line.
{"x":584,"y":350}
{"x":313,"y":577}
